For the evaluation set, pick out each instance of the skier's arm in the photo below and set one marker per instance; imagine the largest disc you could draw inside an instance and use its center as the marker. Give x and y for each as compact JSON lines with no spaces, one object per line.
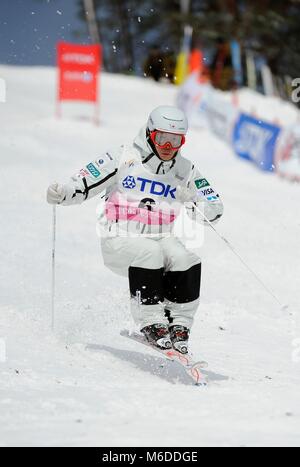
{"x":94,"y":178}
{"x":203,"y":197}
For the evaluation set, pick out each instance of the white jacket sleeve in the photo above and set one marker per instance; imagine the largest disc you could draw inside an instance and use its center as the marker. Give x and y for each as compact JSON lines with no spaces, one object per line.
{"x":204,"y":198}
{"x":96,"y":177}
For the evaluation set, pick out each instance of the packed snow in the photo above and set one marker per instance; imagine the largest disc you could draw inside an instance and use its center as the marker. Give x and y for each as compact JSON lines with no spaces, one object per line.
{"x":84,"y":384}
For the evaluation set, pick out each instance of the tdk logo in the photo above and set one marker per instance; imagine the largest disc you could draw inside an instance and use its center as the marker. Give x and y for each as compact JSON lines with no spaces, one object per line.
{"x":129,"y":182}
{"x":155,"y":188}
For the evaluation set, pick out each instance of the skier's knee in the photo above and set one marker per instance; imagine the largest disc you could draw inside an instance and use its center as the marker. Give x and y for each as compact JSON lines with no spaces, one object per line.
{"x":183,"y":261}
{"x":183,"y":286}
{"x":180,"y":259}
{"x":149,"y":256}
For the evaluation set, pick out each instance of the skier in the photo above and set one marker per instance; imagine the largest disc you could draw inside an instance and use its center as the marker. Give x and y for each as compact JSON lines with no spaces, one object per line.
{"x":145,"y":186}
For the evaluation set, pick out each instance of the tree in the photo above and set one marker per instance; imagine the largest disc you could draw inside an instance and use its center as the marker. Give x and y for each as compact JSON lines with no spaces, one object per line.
{"x":128,"y":28}
{"x":270,"y":27}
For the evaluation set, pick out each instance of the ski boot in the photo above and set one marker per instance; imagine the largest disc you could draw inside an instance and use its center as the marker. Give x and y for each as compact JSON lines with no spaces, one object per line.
{"x":158,"y":335}
{"x":180,"y":338}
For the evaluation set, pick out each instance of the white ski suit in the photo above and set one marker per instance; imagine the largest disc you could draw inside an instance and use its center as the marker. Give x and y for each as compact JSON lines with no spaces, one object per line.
{"x":141,"y":207}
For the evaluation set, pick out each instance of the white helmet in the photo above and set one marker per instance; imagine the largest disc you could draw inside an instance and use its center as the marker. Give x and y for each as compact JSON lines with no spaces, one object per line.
{"x":168,"y":118}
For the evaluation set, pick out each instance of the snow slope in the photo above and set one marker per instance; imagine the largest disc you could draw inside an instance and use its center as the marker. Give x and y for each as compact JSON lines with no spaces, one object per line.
{"x":271,"y":109}
{"x":56,"y":392}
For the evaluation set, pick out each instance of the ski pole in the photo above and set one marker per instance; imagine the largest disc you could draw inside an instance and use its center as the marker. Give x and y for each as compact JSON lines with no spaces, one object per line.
{"x":267,"y":289}
{"x":53,"y":267}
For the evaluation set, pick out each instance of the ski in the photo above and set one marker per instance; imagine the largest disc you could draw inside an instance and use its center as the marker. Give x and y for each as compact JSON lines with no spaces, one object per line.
{"x":191,"y":367}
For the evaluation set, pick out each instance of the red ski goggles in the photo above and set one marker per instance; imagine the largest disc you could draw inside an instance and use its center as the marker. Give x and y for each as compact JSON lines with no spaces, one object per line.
{"x":165,"y":140}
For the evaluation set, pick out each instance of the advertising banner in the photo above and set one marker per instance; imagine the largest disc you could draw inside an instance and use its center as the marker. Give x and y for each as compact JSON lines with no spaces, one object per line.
{"x":221,"y":117}
{"x":287,"y":159}
{"x":255,"y":140}
{"x":271,"y":147}
{"x":78,"y":67}
{"x":192,"y":98}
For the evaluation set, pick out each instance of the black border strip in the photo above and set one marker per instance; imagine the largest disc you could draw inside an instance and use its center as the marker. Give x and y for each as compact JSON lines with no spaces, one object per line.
{"x":89,"y":188}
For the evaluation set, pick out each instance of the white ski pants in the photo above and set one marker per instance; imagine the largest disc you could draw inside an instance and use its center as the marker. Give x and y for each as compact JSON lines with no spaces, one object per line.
{"x":164,"y":278}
